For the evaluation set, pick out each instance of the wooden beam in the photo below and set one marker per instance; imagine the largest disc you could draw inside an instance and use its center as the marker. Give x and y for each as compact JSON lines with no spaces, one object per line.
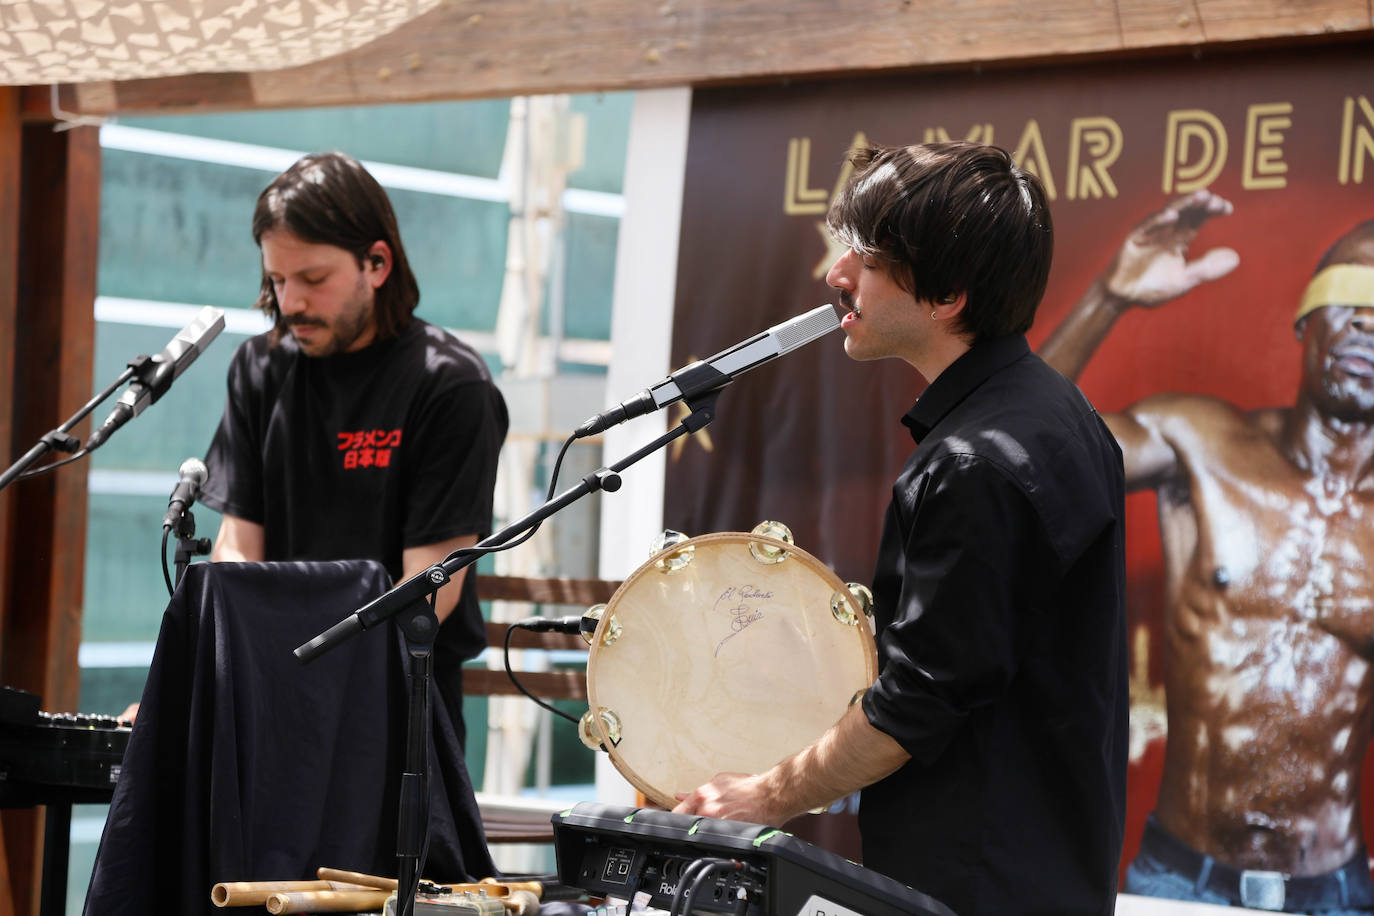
{"x":60,"y":212}
{"x":11,"y":133}
{"x":50,"y":274}
{"x":490,"y":48}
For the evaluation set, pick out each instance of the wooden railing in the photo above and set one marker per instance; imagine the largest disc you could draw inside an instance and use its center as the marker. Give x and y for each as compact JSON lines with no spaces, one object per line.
{"x":501,"y":822}
{"x":575,"y":594}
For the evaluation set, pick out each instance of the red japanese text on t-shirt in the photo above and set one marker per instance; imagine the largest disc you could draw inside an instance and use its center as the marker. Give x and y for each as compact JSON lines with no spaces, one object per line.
{"x":368,"y":448}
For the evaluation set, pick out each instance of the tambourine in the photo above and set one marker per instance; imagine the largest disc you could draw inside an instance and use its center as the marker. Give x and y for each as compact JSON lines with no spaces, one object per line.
{"x":725,"y":652}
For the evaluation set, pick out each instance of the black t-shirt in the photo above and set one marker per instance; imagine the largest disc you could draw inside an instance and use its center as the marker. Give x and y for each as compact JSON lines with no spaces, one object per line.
{"x":999,"y":602}
{"x":362,"y":455}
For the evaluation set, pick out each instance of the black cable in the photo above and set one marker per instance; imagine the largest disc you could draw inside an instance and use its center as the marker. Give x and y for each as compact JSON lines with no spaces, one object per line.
{"x":683,"y":881}
{"x":714,"y":867}
{"x":521,"y":687}
{"x":687,"y":881}
{"x":34,"y":472}
{"x":553,"y":483}
{"x":166,"y":576}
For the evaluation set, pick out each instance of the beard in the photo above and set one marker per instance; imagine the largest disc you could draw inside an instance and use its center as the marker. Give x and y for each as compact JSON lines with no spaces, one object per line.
{"x":353,"y":321}
{"x":1349,"y":399}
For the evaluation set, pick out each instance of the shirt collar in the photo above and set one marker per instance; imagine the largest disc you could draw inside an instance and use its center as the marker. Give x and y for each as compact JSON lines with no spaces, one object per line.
{"x":966,"y":373}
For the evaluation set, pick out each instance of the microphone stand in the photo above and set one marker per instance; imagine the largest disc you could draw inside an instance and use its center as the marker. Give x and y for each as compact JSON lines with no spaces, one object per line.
{"x":419,"y":626}
{"x":188,"y":545}
{"x":59,"y":439}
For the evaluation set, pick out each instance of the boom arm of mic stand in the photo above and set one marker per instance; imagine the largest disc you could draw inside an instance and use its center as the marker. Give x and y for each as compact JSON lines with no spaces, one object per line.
{"x":59,"y":438}
{"x":423,"y":584}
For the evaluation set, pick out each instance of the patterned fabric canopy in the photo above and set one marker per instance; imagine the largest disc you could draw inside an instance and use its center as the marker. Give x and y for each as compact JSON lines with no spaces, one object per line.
{"x":73,"y":41}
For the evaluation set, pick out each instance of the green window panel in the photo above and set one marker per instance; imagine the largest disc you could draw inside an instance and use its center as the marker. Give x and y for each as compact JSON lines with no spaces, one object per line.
{"x":125,"y":593}
{"x":463,"y":137}
{"x":608,"y":133}
{"x":573,"y":763}
{"x":457,"y":248}
{"x":86,"y":821}
{"x":589,"y":276}
{"x":109,"y":691}
{"x":178,"y":231}
{"x":173,"y":230}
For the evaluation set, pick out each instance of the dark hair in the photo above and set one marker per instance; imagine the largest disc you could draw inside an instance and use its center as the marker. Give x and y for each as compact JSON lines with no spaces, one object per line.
{"x":330,"y":199}
{"x":951,"y":218}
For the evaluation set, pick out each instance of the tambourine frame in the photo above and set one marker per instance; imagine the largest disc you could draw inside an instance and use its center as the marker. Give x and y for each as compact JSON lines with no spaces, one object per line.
{"x":789,"y":708}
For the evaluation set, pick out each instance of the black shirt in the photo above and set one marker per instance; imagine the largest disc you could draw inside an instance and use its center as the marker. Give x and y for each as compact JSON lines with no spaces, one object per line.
{"x":1000,"y":614}
{"x":362,"y":455}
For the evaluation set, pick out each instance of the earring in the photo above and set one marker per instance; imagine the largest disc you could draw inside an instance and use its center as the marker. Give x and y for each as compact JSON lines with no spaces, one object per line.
{"x":932,"y":315}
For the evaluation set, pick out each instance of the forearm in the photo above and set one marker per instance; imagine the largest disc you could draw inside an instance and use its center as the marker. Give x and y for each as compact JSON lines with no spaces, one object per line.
{"x":415,"y":560}
{"x":851,"y":755}
{"x":1072,"y":344}
{"x":239,"y":541}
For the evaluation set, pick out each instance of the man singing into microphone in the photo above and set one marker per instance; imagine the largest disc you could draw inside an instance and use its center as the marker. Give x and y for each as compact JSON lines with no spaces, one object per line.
{"x":352,"y":428}
{"x":991,"y":751}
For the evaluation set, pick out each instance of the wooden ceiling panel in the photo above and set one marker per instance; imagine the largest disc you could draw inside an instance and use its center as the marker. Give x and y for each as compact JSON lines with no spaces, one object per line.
{"x":489,"y":48}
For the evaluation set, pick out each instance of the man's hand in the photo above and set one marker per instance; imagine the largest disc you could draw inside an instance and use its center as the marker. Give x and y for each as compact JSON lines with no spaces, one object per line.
{"x":1152,"y":266}
{"x":734,"y":796}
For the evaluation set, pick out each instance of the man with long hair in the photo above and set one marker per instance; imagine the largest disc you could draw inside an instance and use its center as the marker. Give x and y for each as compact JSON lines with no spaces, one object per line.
{"x":354,"y":429}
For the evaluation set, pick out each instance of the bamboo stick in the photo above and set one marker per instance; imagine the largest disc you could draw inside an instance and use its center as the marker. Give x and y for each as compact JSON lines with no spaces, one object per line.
{"x":327,"y":901}
{"x":353,"y":877}
{"x":255,"y":893}
{"x":534,"y":887}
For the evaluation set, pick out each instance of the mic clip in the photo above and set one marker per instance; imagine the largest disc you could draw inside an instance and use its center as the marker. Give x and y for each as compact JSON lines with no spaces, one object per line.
{"x":698,"y":379}
{"x":140,"y":365}
{"x":59,"y":441}
{"x":703,"y":407}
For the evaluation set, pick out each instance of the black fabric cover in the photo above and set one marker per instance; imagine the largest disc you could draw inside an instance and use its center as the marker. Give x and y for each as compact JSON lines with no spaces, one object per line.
{"x":245,"y":765}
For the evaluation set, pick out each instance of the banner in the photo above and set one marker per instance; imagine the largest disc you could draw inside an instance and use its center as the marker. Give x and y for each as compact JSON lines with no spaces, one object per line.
{"x":813,"y":440}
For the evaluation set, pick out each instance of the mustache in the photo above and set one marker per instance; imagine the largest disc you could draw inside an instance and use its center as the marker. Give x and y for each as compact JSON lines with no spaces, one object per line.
{"x":297,"y":321}
{"x":847,"y":299}
{"x":1358,"y":344}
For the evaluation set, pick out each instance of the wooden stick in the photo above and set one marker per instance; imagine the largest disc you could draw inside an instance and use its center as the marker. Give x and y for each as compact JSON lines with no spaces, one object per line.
{"x":255,"y":893}
{"x":335,"y":874}
{"x":534,"y":887}
{"x":326,"y":901}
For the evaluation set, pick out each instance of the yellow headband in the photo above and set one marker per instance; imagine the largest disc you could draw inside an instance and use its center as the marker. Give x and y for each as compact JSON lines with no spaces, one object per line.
{"x":1339,"y":284}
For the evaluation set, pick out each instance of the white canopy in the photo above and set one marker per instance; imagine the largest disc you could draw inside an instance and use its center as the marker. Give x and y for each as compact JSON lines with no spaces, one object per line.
{"x":74,"y":41}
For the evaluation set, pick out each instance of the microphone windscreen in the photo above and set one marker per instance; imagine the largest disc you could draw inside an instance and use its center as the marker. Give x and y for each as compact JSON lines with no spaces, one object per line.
{"x":194,"y":469}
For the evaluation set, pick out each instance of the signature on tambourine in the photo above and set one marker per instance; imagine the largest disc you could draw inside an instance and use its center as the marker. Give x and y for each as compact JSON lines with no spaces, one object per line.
{"x":743,"y":604}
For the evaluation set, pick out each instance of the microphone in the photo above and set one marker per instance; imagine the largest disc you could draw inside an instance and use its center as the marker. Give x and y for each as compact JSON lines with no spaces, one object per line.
{"x":720,"y":370}
{"x":154,"y":376}
{"x":193,"y":474}
{"x":572,"y":624}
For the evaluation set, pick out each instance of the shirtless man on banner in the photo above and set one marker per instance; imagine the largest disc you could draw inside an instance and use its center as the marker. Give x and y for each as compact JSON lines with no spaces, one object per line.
{"x":1269,"y":626}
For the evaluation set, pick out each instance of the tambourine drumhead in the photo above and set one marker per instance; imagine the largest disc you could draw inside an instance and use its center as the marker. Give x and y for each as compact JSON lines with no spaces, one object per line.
{"x":726,"y":664}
